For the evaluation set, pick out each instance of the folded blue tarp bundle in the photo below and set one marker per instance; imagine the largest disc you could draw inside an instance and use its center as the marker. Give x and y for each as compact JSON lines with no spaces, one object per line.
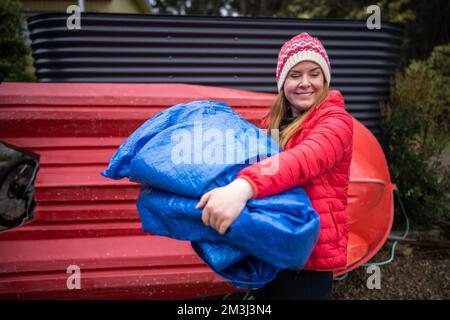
{"x":189,"y":149}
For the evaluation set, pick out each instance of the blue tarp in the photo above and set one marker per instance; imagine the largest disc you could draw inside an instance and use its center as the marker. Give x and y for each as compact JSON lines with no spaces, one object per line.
{"x":189,"y":149}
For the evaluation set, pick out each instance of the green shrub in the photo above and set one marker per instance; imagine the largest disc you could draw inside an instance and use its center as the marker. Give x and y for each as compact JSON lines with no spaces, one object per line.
{"x":14,"y":53}
{"x":415,"y":123}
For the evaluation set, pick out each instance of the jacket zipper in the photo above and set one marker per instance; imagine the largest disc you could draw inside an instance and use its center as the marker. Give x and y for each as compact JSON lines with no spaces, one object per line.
{"x":334,"y":220}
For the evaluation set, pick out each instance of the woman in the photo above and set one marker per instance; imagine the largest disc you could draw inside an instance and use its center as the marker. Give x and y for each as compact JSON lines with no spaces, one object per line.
{"x":315,"y":134}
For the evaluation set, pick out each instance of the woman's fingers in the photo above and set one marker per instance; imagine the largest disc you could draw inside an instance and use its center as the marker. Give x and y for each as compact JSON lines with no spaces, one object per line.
{"x":205,"y":217}
{"x":221,"y":207}
{"x":202,"y":204}
{"x":224,"y":226}
{"x":213,"y":218}
{"x":203,"y":200}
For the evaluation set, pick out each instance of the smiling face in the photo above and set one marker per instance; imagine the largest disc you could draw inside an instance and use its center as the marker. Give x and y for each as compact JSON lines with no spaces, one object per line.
{"x":304,"y":84}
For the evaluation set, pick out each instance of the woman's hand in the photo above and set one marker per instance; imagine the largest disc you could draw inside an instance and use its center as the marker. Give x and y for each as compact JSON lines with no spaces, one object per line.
{"x":222,"y":206}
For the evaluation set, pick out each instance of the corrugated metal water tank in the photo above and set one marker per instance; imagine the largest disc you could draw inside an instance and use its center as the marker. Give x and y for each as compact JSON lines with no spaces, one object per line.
{"x":227,"y":52}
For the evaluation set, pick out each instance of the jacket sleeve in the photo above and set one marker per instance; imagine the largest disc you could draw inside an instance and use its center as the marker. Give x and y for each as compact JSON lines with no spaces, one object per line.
{"x":324,"y":146}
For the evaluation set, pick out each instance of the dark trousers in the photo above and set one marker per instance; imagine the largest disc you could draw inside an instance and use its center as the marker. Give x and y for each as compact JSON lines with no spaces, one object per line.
{"x":297,"y":285}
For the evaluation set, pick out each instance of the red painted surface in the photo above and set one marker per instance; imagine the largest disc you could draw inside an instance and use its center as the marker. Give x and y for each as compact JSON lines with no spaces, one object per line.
{"x":84,"y":219}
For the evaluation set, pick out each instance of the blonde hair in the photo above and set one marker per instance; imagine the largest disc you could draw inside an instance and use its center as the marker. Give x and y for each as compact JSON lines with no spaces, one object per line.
{"x":280,"y":112}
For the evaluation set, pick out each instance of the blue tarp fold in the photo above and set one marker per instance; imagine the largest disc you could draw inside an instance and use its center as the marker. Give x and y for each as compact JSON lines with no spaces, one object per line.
{"x":189,"y":149}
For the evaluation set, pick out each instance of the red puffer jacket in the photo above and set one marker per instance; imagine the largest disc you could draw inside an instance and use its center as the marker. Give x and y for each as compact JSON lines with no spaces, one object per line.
{"x":316,"y":158}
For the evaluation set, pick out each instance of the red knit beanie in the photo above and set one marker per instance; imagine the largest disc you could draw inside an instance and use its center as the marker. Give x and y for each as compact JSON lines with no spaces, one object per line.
{"x":300,"y":48}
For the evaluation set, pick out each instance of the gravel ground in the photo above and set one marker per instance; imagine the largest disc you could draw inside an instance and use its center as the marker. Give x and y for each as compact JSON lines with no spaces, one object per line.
{"x":415,"y":273}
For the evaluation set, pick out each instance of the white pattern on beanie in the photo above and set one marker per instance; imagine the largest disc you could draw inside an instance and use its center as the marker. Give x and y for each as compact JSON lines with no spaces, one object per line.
{"x":300,"y":48}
